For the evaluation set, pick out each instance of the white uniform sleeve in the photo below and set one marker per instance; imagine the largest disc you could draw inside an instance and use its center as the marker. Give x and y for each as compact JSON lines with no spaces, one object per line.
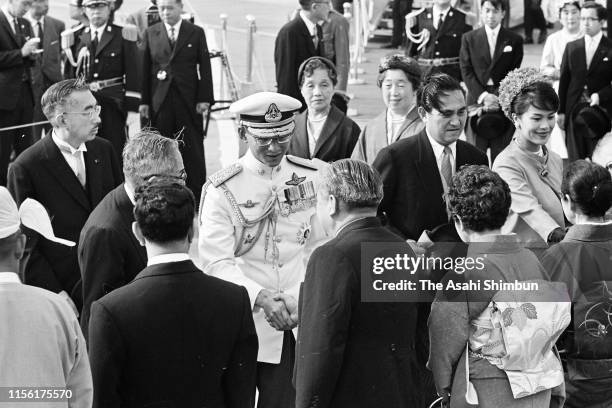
{"x":217,"y":241}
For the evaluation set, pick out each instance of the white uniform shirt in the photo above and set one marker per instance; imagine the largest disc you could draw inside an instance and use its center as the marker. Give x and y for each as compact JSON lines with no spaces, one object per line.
{"x":221,"y":232}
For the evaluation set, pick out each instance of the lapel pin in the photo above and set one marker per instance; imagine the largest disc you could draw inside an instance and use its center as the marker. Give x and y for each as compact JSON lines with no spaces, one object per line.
{"x":605,"y":59}
{"x":96,"y":161}
{"x":188,"y":45}
{"x":450,"y":13}
{"x":428,"y":15}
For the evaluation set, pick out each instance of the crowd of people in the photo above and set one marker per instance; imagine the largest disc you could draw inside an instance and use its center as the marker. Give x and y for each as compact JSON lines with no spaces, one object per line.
{"x":101,"y":294}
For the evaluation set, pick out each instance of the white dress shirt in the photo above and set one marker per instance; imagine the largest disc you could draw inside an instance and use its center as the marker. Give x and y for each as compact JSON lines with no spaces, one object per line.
{"x":99,"y":31}
{"x":590,"y":46}
{"x":73,"y":156}
{"x":436,"y":11}
{"x":165,"y":258}
{"x":438,"y":150}
{"x":9,"y":277}
{"x":9,"y":16}
{"x":34,"y":23}
{"x":176,"y":27}
{"x":313,"y":128}
{"x":492,"y":36}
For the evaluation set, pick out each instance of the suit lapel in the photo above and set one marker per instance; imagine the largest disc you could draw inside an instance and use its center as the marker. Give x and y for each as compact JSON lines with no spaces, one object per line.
{"x":306,"y":35}
{"x":126,"y":208}
{"x":447,"y":23}
{"x":107,"y":36}
{"x":499,"y":45}
{"x":181,"y":39}
{"x":412,"y":116}
{"x":378,"y":132}
{"x":93,"y":167}
{"x":482,"y":44}
{"x":162,"y":39}
{"x":582,"y":56}
{"x":7,"y":27}
{"x":329,"y":128}
{"x":427,"y":168}
{"x":57,"y":165}
{"x":85,"y":38}
{"x":600,"y":53}
{"x":47,"y":33}
{"x":300,"y":139}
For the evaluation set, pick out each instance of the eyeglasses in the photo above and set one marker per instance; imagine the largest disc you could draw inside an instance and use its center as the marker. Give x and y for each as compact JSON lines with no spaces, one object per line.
{"x":96,"y":6}
{"x":265,"y":142}
{"x":91,"y":112}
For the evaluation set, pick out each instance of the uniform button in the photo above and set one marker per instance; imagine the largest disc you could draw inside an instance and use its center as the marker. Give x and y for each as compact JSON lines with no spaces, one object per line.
{"x":280,"y":265}
{"x":95,"y":75}
{"x":437,"y":52}
{"x":392,"y":347}
{"x":437,"y":42}
{"x":96,"y":60}
{"x":260,"y":172}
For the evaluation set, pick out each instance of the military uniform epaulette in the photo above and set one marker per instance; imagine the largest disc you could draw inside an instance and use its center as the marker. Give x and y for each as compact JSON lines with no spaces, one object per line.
{"x":129,"y":32}
{"x":225,"y":174}
{"x":314,"y":164}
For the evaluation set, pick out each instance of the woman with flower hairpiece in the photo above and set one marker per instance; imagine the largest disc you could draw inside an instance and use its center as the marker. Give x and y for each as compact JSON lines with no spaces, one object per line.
{"x":531,"y":170}
{"x":583,"y":261}
{"x":399,"y":77}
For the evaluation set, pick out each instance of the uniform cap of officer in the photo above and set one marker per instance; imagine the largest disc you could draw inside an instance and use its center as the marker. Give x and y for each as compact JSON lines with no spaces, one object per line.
{"x":87,"y":3}
{"x":267,"y":114}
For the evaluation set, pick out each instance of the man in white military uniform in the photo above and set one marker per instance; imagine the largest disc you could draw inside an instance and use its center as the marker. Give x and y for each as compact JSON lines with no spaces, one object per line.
{"x":254,"y":224}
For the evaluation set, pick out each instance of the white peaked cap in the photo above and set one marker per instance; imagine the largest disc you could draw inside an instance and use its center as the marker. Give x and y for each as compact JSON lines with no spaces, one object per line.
{"x":31,"y":214}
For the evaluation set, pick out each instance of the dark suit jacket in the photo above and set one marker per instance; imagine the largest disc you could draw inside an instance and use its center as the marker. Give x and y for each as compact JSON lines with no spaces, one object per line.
{"x":49,"y":61}
{"x":42,"y":173}
{"x":174,"y":337}
{"x":350,"y":354}
{"x":476,"y":64}
{"x":413,"y":192}
{"x":109,"y":254}
{"x":13,"y":67}
{"x":190,"y":51}
{"x":336,"y":141}
{"x":575,"y":75}
{"x":293,"y":46}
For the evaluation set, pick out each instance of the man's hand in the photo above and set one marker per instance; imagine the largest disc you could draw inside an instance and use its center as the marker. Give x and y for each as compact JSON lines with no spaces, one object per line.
{"x":595,"y":99}
{"x":144,"y":111}
{"x":202,"y":107}
{"x":561,"y":120}
{"x":291,"y":305}
{"x":490,"y":102}
{"x":67,"y":298}
{"x":30,"y":46}
{"x":276,"y":311}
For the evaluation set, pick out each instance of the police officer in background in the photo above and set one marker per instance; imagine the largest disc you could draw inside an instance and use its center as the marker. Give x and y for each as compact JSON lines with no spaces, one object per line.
{"x":255,"y":231}
{"x":435,"y":38}
{"x":105,"y":54}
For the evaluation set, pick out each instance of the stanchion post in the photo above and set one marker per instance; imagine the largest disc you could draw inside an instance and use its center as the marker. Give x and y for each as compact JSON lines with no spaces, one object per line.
{"x":223,"y":18}
{"x":358,"y":37}
{"x":250,"y":48}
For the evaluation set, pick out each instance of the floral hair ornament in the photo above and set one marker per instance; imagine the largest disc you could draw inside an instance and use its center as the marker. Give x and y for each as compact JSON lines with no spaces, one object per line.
{"x":512,"y":85}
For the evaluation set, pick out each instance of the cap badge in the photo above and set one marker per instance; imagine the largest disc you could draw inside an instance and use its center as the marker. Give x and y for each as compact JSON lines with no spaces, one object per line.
{"x":273,"y":114}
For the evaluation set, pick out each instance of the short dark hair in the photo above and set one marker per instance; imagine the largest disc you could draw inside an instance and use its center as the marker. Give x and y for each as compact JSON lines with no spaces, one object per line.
{"x":539,"y":94}
{"x":602,"y":13}
{"x":589,"y":186}
{"x":569,"y":3}
{"x":55,"y":96}
{"x":309,"y":66}
{"x":164,"y":209}
{"x":434,"y":87}
{"x":307,"y":4}
{"x":498,"y":4}
{"x":480,"y":197}
{"x":409,"y":65}
{"x":353,"y":182}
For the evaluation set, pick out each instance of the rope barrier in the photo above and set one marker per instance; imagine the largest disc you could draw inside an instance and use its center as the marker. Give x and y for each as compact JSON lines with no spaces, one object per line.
{"x":43,"y":122}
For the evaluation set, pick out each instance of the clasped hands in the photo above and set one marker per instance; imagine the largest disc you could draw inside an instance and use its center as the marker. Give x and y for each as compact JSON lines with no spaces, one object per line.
{"x":281,"y":309}
{"x":490,"y":103}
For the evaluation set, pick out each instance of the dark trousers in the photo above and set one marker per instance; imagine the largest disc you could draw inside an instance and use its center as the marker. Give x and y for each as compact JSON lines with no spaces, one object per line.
{"x":18,"y":139}
{"x":496,"y":144}
{"x":400,"y":9}
{"x":534,"y":17}
{"x":175,"y":117}
{"x":274,"y":380}
{"x":112,"y":126}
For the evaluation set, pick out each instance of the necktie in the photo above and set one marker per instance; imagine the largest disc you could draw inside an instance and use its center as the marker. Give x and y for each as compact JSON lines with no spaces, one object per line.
{"x":17,"y":26}
{"x":589,"y":42}
{"x":172,"y":37}
{"x":95,"y":41}
{"x":440,"y":21}
{"x":492,"y":42}
{"x":40,"y":33}
{"x":445,"y":168}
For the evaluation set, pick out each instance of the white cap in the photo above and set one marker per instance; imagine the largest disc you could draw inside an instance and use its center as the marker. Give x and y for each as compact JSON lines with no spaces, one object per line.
{"x":31,"y":214}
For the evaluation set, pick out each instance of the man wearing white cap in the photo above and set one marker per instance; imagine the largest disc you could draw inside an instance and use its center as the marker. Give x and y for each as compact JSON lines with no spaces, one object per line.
{"x":254,"y":224}
{"x":57,"y":361}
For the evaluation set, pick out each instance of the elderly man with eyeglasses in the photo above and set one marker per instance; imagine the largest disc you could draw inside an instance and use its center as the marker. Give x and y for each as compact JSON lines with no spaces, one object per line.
{"x":254,"y":231}
{"x":68,"y":172}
